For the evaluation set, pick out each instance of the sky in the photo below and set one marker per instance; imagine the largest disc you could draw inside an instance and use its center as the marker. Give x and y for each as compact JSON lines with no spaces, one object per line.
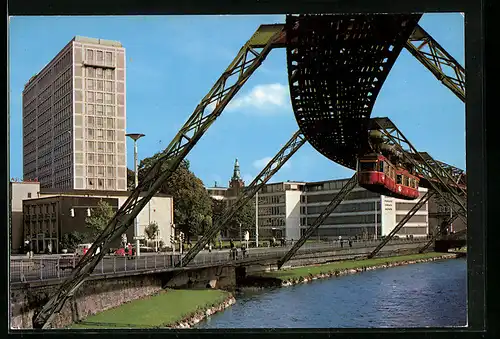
{"x":173,"y":61}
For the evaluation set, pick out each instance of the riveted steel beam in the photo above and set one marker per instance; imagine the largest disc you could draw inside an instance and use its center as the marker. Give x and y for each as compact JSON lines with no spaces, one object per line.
{"x":403,"y":221}
{"x":434,"y":175}
{"x":339,"y":197}
{"x":337,"y":65}
{"x":437,"y":60}
{"x":438,"y":232}
{"x":274,"y":165}
{"x":249,"y":58}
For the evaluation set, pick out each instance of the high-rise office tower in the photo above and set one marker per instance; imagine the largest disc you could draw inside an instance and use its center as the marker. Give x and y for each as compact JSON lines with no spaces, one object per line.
{"x":74,"y":114}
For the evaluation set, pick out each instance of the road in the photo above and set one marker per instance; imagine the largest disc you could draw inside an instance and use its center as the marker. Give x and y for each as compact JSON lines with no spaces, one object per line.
{"x":48,"y":267}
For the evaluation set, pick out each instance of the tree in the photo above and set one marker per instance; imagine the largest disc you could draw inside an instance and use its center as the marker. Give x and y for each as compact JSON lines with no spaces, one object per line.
{"x":245,"y":216}
{"x":152,"y":230}
{"x":192,"y":204}
{"x":130,"y":180}
{"x":71,"y":240}
{"x":99,"y":219}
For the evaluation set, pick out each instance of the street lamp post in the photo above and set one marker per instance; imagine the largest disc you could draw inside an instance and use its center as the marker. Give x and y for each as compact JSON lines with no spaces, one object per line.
{"x":135,"y":137}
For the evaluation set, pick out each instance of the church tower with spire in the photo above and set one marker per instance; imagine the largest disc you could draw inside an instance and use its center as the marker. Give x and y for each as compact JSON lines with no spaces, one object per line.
{"x":236,"y":183}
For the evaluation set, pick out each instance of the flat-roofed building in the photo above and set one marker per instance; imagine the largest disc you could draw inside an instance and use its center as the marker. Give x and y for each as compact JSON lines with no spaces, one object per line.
{"x":74,"y":113}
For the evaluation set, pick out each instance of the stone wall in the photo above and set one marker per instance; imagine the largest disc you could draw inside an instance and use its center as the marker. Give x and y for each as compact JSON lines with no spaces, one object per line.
{"x":220,"y":277}
{"x":92,"y":297}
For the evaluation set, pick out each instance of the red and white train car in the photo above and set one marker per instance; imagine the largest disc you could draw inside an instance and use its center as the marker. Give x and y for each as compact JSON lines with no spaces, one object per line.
{"x":377,"y":174}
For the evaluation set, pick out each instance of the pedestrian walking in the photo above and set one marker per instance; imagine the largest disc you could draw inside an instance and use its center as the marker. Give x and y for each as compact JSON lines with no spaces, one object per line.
{"x":350,"y":242}
{"x":341,"y":243}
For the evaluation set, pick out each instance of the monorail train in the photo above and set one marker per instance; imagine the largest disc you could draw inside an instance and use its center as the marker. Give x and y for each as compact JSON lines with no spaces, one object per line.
{"x":377,"y":174}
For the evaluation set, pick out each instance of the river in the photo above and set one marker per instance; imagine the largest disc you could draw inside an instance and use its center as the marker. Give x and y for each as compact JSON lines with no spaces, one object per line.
{"x":420,"y":295}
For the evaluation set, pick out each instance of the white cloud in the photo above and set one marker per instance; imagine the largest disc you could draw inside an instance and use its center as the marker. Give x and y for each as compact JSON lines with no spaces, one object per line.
{"x":266,"y":97}
{"x":261,"y":163}
{"x":269,"y":98}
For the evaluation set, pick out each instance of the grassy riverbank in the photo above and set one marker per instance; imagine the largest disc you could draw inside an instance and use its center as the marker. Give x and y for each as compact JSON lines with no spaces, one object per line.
{"x":294,"y":273}
{"x":161,"y":310}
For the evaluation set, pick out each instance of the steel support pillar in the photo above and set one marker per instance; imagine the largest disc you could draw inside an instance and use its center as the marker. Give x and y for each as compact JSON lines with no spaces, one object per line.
{"x":439,"y":230}
{"x":286,"y":152}
{"x":339,"y":197}
{"x":400,"y":225}
{"x":249,"y":58}
{"x":437,"y":60}
{"x":439,"y":179}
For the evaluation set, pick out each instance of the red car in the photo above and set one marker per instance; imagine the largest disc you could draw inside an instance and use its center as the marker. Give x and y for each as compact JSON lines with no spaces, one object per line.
{"x":121,"y":251}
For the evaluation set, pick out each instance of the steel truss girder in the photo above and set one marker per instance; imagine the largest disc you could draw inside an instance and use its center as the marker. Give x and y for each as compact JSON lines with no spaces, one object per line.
{"x":339,"y":197}
{"x":438,"y":179}
{"x":274,"y":165}
{"x":403,"y":221}
{"x":337,"y":65}
{"x":458,"y":175}
{"x":435,"y":58}
{"x":423,"y":199}
{"x":249,"y":58}
{"x":439,"y":230}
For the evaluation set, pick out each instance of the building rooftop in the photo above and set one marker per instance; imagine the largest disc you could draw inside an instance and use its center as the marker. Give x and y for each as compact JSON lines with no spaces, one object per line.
{"x":104,"y":42}
{"x":79,"y":192}
{"x":78,"y":38}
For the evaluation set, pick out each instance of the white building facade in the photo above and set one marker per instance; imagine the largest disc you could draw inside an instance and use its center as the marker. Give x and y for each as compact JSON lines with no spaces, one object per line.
{"x":287,"y":209}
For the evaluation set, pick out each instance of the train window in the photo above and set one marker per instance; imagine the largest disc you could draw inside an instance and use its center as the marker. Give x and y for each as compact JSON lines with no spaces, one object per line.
{"x":412,"y":183}
{"x":367,"y":166}
{"x":399,"y":179}
{"x":382,"y":163}
{"x":406,"y":183}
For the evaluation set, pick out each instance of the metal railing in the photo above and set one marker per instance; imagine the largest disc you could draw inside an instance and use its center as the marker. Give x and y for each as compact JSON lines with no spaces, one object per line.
{"x":59,"y":267}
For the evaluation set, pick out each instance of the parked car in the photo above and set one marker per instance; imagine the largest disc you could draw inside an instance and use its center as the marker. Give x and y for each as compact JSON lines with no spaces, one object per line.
{"x":121,"y":251}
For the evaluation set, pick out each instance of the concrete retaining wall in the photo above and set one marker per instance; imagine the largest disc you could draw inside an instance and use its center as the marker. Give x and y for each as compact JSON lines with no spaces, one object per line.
{"x":92,"y":297}
{"x":222,"y":277}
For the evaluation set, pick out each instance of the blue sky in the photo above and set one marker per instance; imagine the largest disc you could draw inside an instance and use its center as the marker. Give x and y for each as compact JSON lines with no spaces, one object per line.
{"x":172,"y":62}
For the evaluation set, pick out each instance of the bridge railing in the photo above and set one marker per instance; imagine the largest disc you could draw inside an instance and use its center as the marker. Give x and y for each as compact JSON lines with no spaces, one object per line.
{"x":59,"y":267}
{"x":47,"y":268}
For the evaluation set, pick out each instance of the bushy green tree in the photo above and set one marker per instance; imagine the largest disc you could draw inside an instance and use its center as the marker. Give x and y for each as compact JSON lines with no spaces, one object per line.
{"x":71,"y":240}
{"x":245,"y":216}
{"x":152,"y":230}
{"x":99,"y":219}
{"x":192,"y":203}
{"x":130,"y":180}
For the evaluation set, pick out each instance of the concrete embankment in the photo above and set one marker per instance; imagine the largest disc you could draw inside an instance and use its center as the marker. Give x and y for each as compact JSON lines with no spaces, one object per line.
{"x":305,"y":274}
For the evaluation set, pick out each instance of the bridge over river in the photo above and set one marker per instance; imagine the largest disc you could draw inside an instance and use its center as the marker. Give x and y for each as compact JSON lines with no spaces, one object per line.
{"x":51,"y":268}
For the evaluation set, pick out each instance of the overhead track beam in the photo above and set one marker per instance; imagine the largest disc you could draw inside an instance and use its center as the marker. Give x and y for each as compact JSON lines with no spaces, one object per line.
{"x":274,"y":165}
{"x":339,"y":197}
{"x":249,"y":58}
